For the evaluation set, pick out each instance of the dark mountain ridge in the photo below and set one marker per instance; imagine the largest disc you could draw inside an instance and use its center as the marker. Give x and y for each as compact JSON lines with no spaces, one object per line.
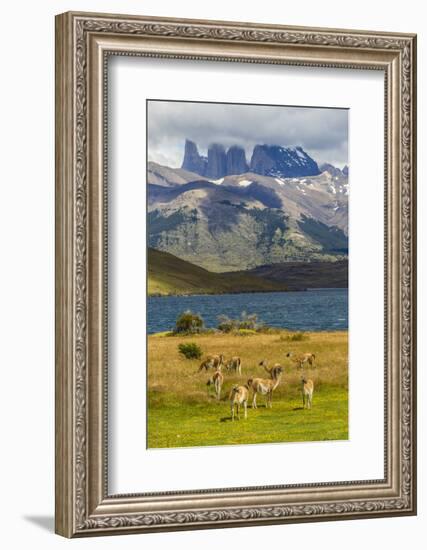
{"x":170,"y":275}
{"x":255,"y":191}
{"x":304,"y":275}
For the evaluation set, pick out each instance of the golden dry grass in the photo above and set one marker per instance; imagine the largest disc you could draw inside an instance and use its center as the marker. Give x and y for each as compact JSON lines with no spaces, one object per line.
{"x":178,"y":399}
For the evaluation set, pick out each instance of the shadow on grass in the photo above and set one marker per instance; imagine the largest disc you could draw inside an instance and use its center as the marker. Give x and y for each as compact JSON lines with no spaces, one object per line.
{"x":229,"y":419}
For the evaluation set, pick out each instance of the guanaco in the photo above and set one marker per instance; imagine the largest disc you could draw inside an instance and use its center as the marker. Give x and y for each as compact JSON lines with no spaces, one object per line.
{"x":302,"y":358}
{"x":265,"y":387}
{"x":212,"y":362}
{"x":239,"y":395}
{"x":216,"y":380}
{"x":307,"y":388}
{"x":235,"y":364}
{"x":272,"y":371}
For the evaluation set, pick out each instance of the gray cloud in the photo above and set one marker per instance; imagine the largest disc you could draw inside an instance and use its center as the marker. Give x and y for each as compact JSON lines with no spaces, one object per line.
{"x":322,"y":132}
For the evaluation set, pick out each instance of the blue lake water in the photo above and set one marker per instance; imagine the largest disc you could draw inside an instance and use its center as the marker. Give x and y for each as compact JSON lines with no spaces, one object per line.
{"x":313,"y":310}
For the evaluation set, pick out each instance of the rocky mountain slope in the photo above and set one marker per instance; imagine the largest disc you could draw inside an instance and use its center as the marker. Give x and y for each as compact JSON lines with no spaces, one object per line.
{"x":240,"y":221}
{"x":273,"y":160}
{"x":169,"y":177}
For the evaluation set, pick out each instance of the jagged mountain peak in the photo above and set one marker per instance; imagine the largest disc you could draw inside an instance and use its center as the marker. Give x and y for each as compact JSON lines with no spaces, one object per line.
{"x":236,"y":160}
{"x":266,"y":160}
{"x":217,"y":161}
{"x":334,"y":171}
{"x":193,"y":161}
{"x":276,"y":160}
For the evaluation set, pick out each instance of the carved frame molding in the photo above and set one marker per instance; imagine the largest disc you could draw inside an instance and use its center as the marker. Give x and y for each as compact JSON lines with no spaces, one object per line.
{"x":83,"y":43}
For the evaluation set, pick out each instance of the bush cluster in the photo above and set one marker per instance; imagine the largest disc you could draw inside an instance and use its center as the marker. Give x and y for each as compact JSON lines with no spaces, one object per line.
{"x":189,"y":323}
{"x":190,"y":350}
{"x":294,"y":337}
{"x":247,"y":321}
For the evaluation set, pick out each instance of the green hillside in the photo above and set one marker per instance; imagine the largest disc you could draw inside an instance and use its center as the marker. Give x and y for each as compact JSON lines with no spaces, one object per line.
{"x":168,"y":274}
{"x":302,"y":275}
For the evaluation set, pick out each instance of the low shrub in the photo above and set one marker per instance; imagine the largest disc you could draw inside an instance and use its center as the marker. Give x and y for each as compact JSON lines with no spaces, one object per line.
{"x":294,"y":337}
{"x":189,"y":323}
{"x":190,"y":350}
{"x":225,"y":324}
{"x":247,"y":321}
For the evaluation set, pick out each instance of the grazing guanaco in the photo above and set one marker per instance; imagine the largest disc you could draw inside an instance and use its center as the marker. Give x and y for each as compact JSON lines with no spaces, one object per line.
{"x":235,"y":364}
{"x":239,"y":395}
{"x":307,"y":388}
{"x":216,"y":380}
{"x":212,"y":362}
{"x":265,"y":387}
{"x":272,"y":371}
{"x":302,"y":358}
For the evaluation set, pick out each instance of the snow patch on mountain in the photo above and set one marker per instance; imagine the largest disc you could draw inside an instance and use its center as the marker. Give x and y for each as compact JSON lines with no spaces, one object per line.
{"x":245,"y":183}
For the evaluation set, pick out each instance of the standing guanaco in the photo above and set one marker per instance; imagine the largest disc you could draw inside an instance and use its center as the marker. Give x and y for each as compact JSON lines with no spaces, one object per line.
{"x":216,"y":380}
{"x":307,"y":388}
{"x":265,"y":387}
{"x":235,"y":364}
{"x":272,"y":371}
{"x":239,"y":395}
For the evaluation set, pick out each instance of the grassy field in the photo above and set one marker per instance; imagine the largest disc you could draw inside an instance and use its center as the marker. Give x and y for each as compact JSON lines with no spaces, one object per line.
{"x":181,"y":413}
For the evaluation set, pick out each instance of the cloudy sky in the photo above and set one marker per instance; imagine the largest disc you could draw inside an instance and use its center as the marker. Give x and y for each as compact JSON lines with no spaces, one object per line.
{"x":321,"y":132}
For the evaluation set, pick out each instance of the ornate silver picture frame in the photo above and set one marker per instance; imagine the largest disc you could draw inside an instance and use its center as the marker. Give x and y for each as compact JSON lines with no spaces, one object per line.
{"x":84,"y":505}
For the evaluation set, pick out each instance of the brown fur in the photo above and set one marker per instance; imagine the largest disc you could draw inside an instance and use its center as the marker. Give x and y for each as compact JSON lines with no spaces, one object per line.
{"x":235,"y":364}
{"x":265,"y":387}
{"x":272,"y":371}
{"x":212,"y":362}
{"x":216,"y":380}
{"x":302,"y":358}
{"x":239,"y":395}
{"x":307,"y":388}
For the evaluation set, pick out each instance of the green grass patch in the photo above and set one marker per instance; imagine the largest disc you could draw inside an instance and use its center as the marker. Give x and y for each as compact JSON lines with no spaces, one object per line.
{"x":174,"y":424}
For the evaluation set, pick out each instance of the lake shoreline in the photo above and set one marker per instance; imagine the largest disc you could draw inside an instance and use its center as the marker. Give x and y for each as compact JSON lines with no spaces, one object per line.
{"x":185,"y":295}
{"x":315,"y":309}
{"x":275,"y":331}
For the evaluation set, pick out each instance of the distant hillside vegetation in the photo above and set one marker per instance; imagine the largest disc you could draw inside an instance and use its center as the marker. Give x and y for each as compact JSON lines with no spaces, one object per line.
{"x":302,"y":275}
{"x":169,"y":275}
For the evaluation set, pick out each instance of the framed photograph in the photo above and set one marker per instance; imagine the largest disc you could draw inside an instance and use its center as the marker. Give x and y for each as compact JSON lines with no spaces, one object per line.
{"x":235,"y":274}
